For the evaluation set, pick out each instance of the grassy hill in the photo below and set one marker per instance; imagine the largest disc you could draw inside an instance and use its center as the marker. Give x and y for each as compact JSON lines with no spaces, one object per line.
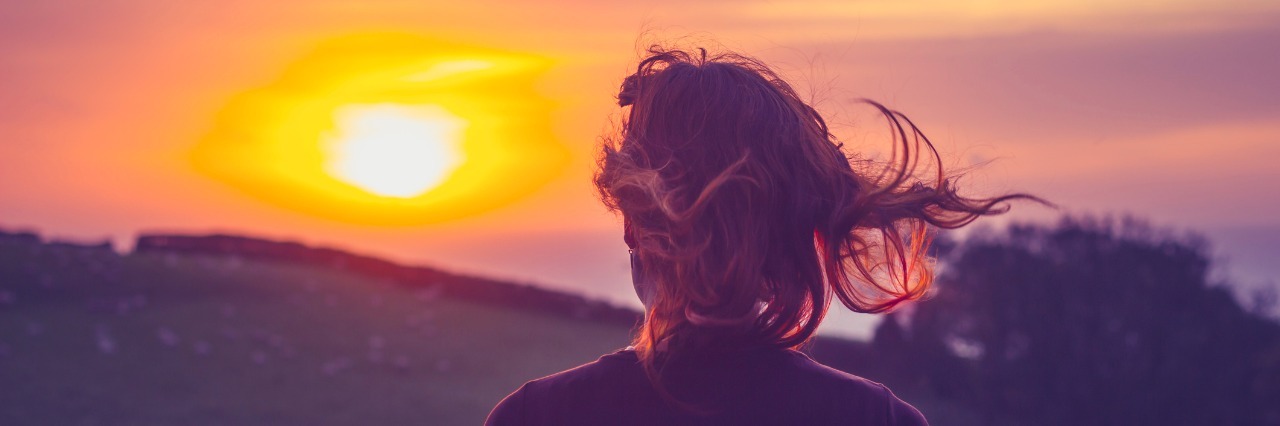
{"x":91,"y":337}
{"x":232,"y":330}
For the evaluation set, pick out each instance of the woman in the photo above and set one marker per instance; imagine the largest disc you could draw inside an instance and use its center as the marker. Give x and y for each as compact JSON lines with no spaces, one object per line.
{"x":744,"y":217}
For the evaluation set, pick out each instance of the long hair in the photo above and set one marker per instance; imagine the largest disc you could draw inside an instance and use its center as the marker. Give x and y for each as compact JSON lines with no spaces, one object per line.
{"x":748,"y":215}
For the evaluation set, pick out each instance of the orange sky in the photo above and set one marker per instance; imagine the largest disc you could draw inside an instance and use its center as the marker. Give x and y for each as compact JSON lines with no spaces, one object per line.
{"x":1162,"y":109}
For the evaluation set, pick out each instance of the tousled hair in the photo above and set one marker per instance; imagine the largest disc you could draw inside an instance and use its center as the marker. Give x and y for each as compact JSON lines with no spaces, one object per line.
{"x":748,"y":216}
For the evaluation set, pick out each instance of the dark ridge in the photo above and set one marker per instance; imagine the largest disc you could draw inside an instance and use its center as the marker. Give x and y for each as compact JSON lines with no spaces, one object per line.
{"x":481,"y":290}
{"x":487,"y":291}
{"x":77,"y":245}
{"x":19,"y":237}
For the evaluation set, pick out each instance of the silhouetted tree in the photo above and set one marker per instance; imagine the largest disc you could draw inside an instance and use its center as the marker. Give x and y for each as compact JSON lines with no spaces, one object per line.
{"x":1092,"y":322}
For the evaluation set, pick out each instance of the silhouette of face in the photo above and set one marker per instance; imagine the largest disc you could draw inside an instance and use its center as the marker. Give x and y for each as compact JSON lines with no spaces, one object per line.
{"x":644,"y":288}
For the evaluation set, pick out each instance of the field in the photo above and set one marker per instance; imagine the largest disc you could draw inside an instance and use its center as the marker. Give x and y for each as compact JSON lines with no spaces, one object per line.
{"x":91,"y":337}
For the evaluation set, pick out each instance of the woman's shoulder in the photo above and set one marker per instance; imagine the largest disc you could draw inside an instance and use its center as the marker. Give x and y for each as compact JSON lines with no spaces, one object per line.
{"x":853,"y":392}
{"x":805,"y":368}
{"x":771,"y":382}
{"x":607,"y":368}
{"x":577,"y":392}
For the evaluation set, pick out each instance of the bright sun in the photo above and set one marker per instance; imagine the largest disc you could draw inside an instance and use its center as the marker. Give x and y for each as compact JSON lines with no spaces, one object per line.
{"x":394,"y":150}
{"x":390,"y":129}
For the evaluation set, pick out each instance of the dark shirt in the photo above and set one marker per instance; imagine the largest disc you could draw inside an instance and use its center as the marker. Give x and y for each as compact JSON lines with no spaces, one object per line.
{"x":762,"y":387}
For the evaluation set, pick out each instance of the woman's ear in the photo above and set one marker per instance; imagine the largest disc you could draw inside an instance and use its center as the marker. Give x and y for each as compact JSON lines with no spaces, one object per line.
{"x":626,"y":233}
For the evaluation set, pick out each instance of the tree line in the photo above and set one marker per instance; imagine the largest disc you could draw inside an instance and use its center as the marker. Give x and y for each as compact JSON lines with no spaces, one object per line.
{"x":1090,"y":321}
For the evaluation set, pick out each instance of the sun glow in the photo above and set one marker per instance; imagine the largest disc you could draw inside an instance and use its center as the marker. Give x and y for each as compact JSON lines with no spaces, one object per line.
{"x":390,"y":129}
{"x":394,"y":150}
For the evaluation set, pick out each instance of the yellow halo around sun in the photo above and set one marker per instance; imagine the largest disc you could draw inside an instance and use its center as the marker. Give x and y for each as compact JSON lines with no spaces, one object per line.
{"x":389,"y":129}
{"x":394,"y":150}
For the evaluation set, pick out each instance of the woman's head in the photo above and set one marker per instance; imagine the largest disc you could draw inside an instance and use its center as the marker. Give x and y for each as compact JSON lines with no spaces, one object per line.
{"x":746,"y":214}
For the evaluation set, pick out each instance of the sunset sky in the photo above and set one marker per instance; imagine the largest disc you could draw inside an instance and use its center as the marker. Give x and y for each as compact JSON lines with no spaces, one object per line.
{"x":271,"y":118}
